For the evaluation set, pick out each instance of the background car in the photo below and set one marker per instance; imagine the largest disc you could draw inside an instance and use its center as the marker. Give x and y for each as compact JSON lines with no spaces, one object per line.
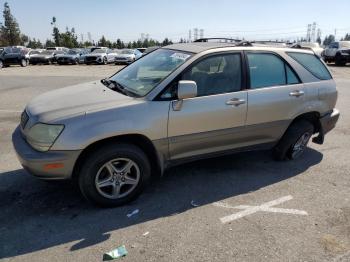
{"x":14,"y":55}
{"x":100,"y":56}
{"x":127,"y":56}
{"x":73,"y":56}
{"x":315,"y":47}
{"x":45,"y":57}
{"x":150,"y":49}
{"x":338,"y":52}
{"x":141,"y":49}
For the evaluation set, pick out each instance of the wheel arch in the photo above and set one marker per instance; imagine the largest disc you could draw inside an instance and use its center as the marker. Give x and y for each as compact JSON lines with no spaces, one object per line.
{"x":141,"y":141}
{"x":313,"y":117}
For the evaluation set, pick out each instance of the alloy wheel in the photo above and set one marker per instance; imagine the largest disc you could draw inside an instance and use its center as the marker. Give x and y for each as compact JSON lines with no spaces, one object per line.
{"x":117,"y":178}
{"x":300,"y":145}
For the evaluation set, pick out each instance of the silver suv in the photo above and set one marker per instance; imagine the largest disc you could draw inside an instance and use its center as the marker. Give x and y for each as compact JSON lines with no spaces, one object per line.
{"x":178,"y":103}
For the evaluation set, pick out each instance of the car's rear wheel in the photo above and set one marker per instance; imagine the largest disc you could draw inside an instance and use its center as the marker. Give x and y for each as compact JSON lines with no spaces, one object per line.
{"x":114,"y":175}
{"x":76,"y":61}
{"x":24,"y":62}
{"x":339,"y":61}
{"x":294,"y":142}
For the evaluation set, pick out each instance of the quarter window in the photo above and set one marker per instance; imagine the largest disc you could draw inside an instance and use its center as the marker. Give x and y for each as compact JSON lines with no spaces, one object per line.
{"x":216,"y":74}
{"x":269,"y":70}
{"x":312,"y":64}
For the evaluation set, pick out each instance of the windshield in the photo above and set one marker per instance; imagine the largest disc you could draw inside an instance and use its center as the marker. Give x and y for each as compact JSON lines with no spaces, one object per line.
{"x":146,"y":73}
{"x":47,"y":52}
{"x":72,"y":52}
{"x":99,"y":51}
{"x":345,"y":44}
{"x":127,"y":51}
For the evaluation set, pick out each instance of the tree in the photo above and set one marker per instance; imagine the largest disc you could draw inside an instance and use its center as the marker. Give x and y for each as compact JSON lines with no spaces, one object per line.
{"x":10,"y":32}
{"x":34,"y":44}
{"x":328,"y":39}
{"x":318,"y":40}
{"x":55,"y":32}
{"x":347,"y":37}
{"x":166,"y":41}
{"x":102,"y":41}
{"x":49,"y":43}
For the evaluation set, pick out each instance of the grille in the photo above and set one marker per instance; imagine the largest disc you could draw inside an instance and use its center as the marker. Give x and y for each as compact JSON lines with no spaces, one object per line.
{"x":24,"y":119}
{"x":120,"y":58}
{"x":90,"y":58}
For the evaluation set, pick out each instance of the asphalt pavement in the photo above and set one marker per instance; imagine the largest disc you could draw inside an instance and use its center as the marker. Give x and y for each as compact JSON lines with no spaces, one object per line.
{"x":242,"y":207}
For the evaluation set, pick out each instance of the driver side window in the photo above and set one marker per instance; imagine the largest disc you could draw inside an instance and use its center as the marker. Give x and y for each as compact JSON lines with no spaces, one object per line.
{"x":216,"y":74}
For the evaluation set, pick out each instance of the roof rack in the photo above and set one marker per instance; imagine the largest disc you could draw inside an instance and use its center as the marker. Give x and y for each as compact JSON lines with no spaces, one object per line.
{"x":225,"y":40}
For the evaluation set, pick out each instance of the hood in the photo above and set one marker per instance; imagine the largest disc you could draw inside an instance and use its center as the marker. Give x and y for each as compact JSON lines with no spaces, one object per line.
{"x":67,"y":55}
{"x":126,"y":55}
{"x":44,"y":56}
{"x":75,"y":100}
{"x":96,"y":54}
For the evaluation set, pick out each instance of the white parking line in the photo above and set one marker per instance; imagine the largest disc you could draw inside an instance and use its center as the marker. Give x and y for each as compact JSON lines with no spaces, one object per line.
{"x":9,"y":111}
{"x":266,"y":207}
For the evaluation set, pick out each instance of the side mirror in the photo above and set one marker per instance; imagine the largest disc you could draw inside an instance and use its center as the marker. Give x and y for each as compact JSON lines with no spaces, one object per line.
{"x":186,"y":89}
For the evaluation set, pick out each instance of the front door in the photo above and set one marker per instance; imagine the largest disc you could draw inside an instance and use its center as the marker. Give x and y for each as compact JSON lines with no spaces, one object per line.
{"x":212,"y":121}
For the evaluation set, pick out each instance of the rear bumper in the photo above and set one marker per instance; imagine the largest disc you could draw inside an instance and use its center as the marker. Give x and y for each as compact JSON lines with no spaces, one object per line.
{"x":327,"y":123}
{"x":36,"y":162}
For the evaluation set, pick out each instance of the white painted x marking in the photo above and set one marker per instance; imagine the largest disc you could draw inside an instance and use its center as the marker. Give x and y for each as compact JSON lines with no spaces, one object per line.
{"x":266,"y":207}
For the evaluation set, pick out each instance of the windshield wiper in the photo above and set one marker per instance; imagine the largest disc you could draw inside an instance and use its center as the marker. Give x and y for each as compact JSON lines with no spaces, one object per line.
{"x":117,"y":87}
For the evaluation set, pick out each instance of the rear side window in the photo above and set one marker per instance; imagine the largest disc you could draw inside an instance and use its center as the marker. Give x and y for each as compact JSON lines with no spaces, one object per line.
{"x":269,"y":70}
{"x":312,"y":64}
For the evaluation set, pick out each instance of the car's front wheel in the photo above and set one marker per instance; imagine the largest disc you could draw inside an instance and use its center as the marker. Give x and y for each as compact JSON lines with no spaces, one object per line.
{"x":105,"y":61}
{"x":294,"y":142}
{"x":114,"y":175}
{"x":24,"y":62}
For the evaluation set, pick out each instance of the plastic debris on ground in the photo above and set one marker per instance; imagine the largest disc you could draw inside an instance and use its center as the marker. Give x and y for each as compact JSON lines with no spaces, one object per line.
{"x":133,"y":213}
{"x":194,"y":204}
{"x":145,"y":234}
{"x":116,"y":253}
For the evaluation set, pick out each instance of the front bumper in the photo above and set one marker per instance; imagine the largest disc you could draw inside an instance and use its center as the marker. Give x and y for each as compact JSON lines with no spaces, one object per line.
{"x":327,"y":123}
{"x":94,"y":60}
{"x":123,"y":61}
{"x":35,"y":162}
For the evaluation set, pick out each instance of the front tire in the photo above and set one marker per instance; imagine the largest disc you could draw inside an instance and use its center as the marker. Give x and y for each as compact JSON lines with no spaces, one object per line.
{"x":105,"y":62}
{"x":114,"y":175}
{"x":294,"y":142}
{"x":24,"y":62}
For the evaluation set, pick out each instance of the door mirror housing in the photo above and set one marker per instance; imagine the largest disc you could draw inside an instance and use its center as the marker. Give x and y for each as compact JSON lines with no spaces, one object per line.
{"x":186,"y":89}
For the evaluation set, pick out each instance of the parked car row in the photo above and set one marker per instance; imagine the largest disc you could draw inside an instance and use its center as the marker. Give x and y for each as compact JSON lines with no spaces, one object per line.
{"x":19,"y":55}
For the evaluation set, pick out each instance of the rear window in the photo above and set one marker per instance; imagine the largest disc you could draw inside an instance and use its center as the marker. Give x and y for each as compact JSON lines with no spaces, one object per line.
{"x":312,"y":64}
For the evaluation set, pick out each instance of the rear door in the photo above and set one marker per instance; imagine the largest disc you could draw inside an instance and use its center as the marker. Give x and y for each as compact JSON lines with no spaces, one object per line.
{"x":212,"y":121}
{"x":276,"y":95}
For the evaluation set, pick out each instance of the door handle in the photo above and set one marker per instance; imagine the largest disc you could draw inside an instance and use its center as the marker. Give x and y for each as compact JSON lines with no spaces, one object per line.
{"x":235,"y":102}
{"x":297,"y":93}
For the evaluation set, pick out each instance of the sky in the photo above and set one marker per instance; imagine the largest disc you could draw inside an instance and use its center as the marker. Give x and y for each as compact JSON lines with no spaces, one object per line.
{"x":127,"y":19}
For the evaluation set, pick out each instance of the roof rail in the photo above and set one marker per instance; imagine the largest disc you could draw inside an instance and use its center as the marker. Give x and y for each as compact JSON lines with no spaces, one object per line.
{"x":230,"y":40}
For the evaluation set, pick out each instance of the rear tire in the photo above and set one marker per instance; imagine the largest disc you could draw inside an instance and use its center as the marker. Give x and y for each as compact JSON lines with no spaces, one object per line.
{"x":293,"y":143}
{"x":339,"y":61}
{"x":120,"y":186}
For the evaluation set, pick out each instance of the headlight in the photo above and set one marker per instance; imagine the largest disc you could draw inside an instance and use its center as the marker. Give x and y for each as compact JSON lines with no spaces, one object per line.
{"x":42,"y":136}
